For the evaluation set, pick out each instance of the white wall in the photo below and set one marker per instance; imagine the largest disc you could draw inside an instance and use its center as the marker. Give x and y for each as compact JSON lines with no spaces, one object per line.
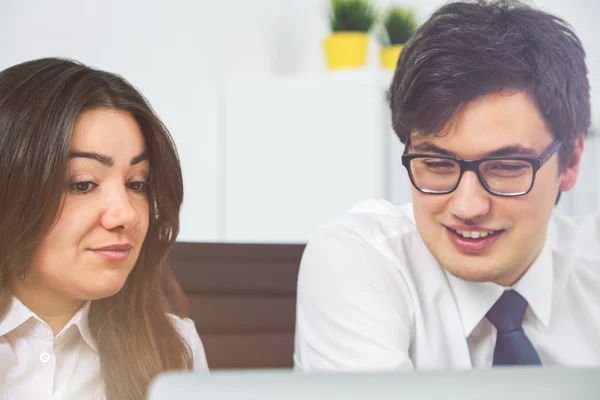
{"x":184,"y":53}
{"x":299,"y":152}
{"x":172,"y":53}
{"x":275,"y":37}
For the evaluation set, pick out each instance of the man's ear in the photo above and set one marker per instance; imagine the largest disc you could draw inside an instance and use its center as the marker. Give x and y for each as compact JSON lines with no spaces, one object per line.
{"x":571,"y":171}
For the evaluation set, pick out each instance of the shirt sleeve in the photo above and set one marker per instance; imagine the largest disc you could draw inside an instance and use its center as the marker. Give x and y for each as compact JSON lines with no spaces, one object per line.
{"x":353,"y":307}
{"x":187,"y":329}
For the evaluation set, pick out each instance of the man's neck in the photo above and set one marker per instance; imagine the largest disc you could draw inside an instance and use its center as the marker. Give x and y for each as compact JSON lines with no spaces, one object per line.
{"x":512,"y":277}
{"x":54,"y":310}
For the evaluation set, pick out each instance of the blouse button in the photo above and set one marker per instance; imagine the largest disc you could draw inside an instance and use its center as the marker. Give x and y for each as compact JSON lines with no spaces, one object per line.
{"x":45,"y":358}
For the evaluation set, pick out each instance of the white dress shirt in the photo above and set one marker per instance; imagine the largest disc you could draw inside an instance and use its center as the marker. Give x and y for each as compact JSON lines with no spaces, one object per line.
{"x":36,"y":365}
{"x":372,"y":297}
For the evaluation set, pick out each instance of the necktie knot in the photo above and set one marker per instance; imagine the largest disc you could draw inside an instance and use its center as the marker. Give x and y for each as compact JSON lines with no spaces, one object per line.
{"x":508,"y":312}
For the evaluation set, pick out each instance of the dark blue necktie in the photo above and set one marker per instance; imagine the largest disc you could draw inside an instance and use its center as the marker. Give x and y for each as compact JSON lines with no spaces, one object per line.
{"x":512,"y":345}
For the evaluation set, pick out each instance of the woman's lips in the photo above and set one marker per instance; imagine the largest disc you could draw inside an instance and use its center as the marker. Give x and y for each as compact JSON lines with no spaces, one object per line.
{"x":115,"y":252}
{"x":113,"y":255}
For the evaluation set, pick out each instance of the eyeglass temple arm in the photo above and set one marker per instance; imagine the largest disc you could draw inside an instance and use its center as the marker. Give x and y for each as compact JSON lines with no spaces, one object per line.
{"x":406,"y":145}
{"x":550,"y":152}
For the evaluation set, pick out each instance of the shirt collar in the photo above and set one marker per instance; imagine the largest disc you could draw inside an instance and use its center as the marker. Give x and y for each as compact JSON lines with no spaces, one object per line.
{"x":80,"y":319}
{"x":537,"y":284}
{"x":474,"y":299}
{"x":18,"y":314}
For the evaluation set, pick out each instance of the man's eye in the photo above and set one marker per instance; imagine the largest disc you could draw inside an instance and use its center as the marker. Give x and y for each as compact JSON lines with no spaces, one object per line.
{"x":439,"y":164}
{"x":83,"y":187}
{"x":509,"y":167}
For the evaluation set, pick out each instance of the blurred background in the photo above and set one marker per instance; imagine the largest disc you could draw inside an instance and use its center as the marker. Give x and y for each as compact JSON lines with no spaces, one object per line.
{"x":273,"y":144}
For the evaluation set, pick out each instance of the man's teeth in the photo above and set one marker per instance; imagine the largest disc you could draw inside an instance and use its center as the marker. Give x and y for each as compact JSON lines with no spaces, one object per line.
{"x":474,"y":234}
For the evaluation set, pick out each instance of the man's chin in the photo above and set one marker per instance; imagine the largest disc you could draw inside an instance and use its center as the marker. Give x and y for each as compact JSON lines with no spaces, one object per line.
{"x":474,"y":268}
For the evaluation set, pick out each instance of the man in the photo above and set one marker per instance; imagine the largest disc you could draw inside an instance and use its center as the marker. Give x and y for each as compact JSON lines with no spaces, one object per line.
{"x":491,"y":100}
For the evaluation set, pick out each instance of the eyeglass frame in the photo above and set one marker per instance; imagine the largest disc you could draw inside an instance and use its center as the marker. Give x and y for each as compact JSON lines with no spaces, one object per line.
{"x":473,"y":165}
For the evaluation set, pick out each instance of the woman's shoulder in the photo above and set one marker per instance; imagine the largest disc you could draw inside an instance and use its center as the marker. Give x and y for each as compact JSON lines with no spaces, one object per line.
{"x":187,"y":329}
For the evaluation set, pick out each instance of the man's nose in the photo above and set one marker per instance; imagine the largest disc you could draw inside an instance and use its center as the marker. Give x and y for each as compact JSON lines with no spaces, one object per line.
{"x":470,"y":200}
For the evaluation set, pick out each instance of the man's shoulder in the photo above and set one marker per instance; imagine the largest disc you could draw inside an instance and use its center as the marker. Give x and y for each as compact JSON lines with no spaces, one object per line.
{"x":374,"y":221}
{"x":579,"y":239}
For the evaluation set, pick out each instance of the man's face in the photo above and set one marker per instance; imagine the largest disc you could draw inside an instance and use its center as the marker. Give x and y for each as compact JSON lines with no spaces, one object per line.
{"x":519,"y":224}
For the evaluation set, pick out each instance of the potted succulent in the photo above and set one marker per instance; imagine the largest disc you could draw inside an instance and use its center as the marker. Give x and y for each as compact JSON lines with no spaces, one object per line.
{"x":350,"y":23}
{"x":399,"y":24}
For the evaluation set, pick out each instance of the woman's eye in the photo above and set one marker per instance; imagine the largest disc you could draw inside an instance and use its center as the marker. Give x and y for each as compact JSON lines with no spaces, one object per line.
{"x":83,"y":187}
{"x":138,"y":186}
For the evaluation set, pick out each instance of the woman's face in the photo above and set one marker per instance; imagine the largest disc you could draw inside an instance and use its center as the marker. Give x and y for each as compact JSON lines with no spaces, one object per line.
{"x":97,"y":236}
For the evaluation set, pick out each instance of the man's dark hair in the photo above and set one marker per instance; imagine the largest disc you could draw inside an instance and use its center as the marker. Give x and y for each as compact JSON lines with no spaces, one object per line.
{"x":468,"y":49}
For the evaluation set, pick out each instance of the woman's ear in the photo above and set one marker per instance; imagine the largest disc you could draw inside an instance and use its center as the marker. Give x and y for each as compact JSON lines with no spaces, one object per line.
{"x":571,"y":171}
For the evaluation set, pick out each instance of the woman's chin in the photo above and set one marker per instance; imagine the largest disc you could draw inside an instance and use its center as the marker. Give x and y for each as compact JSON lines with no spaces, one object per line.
{"x":100,"y":290}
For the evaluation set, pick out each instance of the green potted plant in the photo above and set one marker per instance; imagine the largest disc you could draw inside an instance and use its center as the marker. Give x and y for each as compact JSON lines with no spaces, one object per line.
{"x":350,"y":22}
{"x":399,"y":24}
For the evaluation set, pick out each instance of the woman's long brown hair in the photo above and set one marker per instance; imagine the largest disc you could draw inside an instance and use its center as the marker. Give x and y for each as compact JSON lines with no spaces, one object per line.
{"x":39,"y":103}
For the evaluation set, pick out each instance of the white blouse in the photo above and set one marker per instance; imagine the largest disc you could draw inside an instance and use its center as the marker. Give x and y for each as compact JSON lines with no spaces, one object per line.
{"x":36,"y":365}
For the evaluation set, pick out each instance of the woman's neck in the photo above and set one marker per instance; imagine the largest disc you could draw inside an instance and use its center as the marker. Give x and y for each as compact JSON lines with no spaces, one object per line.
{"x":54,"y":309}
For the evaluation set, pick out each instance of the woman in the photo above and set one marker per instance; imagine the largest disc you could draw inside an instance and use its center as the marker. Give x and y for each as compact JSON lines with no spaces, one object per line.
{"x":90,"y":193}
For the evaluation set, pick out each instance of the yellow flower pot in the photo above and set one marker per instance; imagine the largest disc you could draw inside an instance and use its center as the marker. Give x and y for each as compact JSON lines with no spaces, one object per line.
{"x":346,"y":49}
{"x":389,"y":56}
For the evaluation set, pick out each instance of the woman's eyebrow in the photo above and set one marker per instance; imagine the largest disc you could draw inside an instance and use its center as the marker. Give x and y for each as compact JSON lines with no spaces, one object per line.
{"x":104,"y":159}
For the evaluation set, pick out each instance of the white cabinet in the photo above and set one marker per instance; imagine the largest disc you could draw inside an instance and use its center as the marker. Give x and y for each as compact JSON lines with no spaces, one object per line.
{"x":299,"y":152}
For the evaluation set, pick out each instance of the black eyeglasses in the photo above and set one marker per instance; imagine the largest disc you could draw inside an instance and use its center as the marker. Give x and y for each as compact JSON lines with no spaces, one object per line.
{"x":500,"y":176}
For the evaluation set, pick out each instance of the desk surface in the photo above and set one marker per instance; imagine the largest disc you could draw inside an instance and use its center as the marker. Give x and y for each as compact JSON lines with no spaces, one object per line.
{"x":497,"y":384}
